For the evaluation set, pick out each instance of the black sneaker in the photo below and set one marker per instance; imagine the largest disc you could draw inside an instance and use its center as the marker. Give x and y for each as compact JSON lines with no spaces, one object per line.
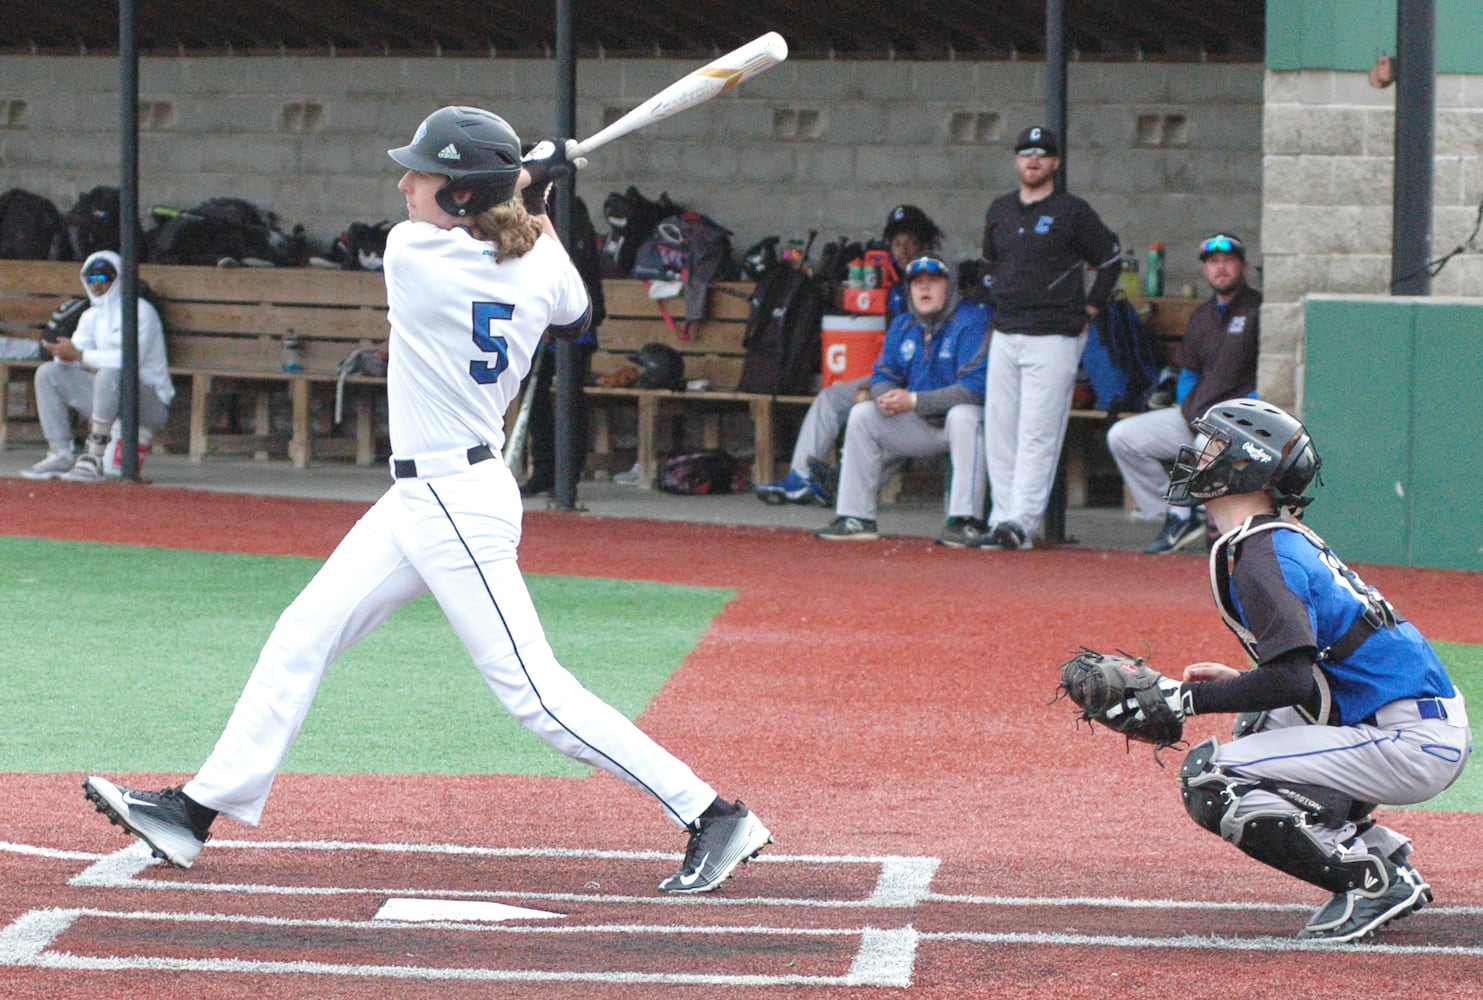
{"x":161,"y":819}
{"x":1177,"y":533}
{"x":1353,"y":916}
{"x":826,"y":478}
{"x":962,"y":533}
{"x":849,"y":529}
{"x":1006,"y":535}
{"x":717,"y":845}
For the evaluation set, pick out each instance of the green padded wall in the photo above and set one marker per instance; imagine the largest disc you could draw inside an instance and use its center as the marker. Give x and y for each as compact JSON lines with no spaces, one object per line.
{"x":1346,"y":35}
{"x":1393,"y":393}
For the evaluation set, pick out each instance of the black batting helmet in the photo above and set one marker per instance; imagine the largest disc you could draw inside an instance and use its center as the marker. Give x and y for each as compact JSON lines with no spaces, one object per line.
{"x":477,"y":150}
{"x":663,"y":367}
{"x":1253,"y":446}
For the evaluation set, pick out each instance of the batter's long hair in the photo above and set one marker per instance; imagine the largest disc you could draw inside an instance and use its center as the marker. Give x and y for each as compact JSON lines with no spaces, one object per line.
{"x":509,"y":227}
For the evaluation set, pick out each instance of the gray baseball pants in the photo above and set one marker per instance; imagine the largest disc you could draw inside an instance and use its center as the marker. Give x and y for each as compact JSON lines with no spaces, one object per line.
{"x":873,"y":440}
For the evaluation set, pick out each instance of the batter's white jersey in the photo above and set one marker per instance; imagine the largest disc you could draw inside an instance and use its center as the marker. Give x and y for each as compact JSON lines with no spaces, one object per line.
{"x":464,"y":328}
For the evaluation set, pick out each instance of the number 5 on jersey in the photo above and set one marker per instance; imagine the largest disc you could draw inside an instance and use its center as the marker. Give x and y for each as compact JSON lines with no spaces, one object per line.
{"x":486,"y":314}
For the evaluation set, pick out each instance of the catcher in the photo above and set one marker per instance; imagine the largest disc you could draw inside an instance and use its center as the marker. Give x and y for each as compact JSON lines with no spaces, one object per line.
{"x":1348,"y":707}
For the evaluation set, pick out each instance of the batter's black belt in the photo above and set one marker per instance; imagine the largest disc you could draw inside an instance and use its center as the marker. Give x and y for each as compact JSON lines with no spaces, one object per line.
{"x":406,"y":468}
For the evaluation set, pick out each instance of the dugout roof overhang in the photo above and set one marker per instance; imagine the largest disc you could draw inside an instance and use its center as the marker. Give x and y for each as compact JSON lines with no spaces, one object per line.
{"x":1155,"y":30}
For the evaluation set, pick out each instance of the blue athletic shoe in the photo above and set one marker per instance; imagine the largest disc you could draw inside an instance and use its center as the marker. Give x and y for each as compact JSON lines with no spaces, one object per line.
{"x":792,"y":488}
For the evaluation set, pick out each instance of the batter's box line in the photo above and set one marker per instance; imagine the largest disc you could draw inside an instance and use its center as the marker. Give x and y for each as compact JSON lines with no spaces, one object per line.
{"x":885,"y":958}
{"x":902,"y":882}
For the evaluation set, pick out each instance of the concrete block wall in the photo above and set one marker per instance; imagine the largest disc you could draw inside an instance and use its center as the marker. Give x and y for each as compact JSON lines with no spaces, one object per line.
{"x":1329,"y":151}
{"x":1165,"y":152}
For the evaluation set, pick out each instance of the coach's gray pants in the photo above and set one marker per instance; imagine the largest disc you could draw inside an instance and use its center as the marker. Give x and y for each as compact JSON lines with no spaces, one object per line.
{"x":61,"y":386}
{"x":872,"y":440}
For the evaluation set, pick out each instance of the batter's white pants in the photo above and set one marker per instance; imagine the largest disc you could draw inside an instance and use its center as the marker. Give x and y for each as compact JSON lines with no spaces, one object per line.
{"x":1400,"y":760}
{"x":61,"y":386}
{"x":1142,"y":445}
{"x":456,"y":536}
{"x":872,"y":440}
{"x":1026,"y":408}
{"x":822,"y":423}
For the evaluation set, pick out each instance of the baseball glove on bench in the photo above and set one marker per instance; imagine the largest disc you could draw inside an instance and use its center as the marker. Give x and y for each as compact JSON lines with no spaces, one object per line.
{"x":1124,"y":693}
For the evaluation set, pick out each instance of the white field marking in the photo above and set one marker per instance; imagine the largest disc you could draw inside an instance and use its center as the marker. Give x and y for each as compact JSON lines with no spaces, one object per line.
{"x":879,"y":961}
{"x":49,"y":852}
{"x":1207,"y":943}
{"x":901,"y":882}
{"x":424,"y":910}
{"x":1120,"y":903}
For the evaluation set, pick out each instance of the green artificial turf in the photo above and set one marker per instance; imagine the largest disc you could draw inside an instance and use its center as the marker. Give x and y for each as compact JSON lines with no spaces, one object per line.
{"x":122,"y":658}
{"x":1465,"y":665}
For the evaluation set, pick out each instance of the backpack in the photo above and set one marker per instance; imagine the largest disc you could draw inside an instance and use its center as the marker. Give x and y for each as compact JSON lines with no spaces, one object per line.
{"x":93,"y":223}
{"x":31,"y":228}
{"x":702,"y":473}
{"x":709,"y":258}
{"x":631,"y":218}
{"x":224,"y":231}
{"x":782,"y":339}
{"x":1119,"y":359}
{"x":663,"y":255}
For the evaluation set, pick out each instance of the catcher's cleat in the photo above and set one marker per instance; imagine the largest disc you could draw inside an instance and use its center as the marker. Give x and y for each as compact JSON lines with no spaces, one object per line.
{"x":1353,"y":916}
{"x":725,"y":835}
{"x":161,"y":819}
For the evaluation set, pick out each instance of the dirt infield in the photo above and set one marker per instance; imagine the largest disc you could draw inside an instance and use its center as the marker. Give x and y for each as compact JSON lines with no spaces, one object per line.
{"x":941,"y":830}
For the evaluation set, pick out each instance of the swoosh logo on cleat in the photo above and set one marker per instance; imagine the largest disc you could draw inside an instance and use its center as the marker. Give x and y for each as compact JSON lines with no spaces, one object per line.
{"x":688,"y":880}
{"x":129,"y":800}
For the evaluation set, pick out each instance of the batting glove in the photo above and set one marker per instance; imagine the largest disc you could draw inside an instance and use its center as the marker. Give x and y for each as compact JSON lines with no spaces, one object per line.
{"x":548,"y":161}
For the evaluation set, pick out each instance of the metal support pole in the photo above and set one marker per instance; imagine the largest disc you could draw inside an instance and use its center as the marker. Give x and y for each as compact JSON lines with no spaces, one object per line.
{"x":128,"y":403}
{"x":1415,"y":147}
{"x":571,"y":454}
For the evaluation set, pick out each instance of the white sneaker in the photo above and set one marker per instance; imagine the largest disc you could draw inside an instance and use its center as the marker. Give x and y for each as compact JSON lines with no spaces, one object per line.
{"x":87,"y":469}
{"x":53,"y":466}
{"x":629,"y":478}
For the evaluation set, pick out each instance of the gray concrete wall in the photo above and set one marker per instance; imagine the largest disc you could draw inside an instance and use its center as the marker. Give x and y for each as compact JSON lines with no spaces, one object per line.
{"x":1164,"y":152}
{"x":1329,"y":150}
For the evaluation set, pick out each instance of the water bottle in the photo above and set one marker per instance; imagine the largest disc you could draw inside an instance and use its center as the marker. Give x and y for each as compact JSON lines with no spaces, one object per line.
{"x":1127,"y":281}
{"x":293,"y":355}
{"x":1154,"y":280}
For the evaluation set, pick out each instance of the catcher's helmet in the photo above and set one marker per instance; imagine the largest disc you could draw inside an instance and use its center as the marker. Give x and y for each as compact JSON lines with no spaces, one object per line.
{"x":477,"y":150}
{"x":1253,"y":446}
{"x":663,"y":367}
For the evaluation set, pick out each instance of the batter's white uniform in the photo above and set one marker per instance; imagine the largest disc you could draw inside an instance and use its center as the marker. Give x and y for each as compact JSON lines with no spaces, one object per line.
{"x":464,"y":327}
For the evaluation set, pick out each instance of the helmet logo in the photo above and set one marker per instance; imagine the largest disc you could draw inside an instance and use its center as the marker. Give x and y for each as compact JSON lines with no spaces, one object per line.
{"x":1256,"y":453}
{"x":449,"y":152}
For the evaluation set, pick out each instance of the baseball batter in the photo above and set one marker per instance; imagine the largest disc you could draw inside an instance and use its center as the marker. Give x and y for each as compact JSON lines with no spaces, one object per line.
{"x":1351,"y":706}
{"x":474,"y":278}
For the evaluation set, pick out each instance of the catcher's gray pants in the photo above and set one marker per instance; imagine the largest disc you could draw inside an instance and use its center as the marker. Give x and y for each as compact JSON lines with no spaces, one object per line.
{"x":1026,"y":409}
{"x":822,"y":423}
{"x":64,"y":385}
{"x":1400,"y":760}
{"x":872,"y":440}
{"x":1143,"y":444}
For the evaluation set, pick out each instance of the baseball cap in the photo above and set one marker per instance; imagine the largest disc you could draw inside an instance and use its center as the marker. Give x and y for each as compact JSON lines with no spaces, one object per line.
{"x":1223,"y":243}
{"x":1038,"y":137}
{"x":930,"y":264}
{"x":910,"y":219}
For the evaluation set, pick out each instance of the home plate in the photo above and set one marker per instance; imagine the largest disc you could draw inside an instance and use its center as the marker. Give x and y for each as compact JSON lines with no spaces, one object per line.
{"x":456,"y":910}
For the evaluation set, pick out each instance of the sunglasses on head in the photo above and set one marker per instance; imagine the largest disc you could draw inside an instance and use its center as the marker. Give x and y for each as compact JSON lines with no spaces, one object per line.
{"x":926,"y":265}
{"x":1222,"y":243}
{"x":1035,"y":151}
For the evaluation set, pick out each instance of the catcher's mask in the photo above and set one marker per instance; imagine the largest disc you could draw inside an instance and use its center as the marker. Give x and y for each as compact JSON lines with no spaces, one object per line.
{"x":476,"y":150}
{"x":1253,"y":446}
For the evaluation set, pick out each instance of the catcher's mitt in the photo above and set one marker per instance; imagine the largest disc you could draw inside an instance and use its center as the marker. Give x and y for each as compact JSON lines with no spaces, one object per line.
{"x":1124,"y":693}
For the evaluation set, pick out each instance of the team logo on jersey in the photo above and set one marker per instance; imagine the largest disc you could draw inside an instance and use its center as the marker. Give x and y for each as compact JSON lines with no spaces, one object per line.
{"x":1043,"y":225}
{"x":448,"y":152}
{"x":908,"y":350}
{"x":1238,"y":325}
{"x":1256,"y":452}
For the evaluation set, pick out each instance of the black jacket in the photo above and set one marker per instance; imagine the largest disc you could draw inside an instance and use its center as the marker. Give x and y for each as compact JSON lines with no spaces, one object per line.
{"x":1037,"y":254}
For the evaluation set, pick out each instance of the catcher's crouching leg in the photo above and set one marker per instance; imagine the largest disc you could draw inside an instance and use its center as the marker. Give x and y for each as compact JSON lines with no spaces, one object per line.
{"x":1280,"y":837}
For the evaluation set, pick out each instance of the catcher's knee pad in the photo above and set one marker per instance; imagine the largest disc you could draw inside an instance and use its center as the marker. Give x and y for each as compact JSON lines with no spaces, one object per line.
{"x":1280,"y":837}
